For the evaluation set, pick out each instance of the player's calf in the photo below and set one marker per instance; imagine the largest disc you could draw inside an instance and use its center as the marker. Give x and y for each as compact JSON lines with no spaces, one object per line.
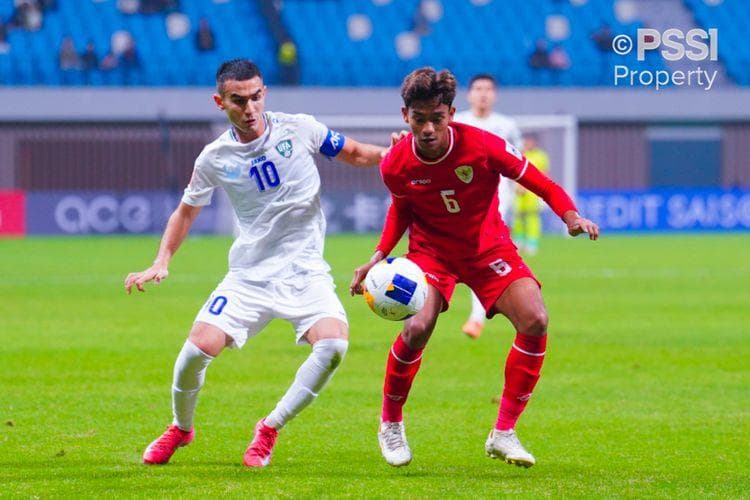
{"x":309,"y":380}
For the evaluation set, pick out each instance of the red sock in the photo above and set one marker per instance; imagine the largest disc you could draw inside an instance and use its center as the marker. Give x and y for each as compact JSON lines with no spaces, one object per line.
{"x":403,"y":365}
{"x":521,"y":375}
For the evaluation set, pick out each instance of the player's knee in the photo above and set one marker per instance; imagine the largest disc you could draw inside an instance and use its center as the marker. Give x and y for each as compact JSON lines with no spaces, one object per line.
{"x":417,"y":331}
{"x":535,"y":322}
{"x":208,"y":338}
{"x":330,"y":352}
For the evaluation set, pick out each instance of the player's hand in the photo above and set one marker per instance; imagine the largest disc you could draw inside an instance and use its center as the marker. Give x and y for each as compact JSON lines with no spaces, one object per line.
{"x":355,"y":288}
{"x":581,"y":225}
{"x":395,"y":137}
{"x":156,"y":273}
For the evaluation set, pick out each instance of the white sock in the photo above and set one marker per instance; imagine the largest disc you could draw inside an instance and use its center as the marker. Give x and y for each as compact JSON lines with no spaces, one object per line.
{"x":189,"y":374}
{"x":478,"y":313}
{"x":311,"y":377}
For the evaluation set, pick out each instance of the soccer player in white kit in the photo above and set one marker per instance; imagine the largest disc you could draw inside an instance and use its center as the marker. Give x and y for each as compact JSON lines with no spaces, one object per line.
{"x":482,"y":96}
{"x":265,"y":164}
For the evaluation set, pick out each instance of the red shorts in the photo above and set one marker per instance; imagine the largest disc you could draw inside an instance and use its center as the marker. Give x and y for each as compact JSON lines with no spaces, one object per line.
{"x":488,"y":275}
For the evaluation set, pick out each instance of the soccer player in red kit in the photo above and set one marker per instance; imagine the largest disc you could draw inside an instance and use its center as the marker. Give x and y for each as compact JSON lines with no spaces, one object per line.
{"x":443,"y":180}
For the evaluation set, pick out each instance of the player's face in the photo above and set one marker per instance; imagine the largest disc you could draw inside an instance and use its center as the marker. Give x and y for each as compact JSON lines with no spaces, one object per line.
{"x":482,"y":96}
{"x":429,"y":122}
{"x":243,"y":101}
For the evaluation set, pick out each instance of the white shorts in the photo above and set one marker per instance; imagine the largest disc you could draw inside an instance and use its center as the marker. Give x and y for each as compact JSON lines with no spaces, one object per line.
{"x":241,"y":309}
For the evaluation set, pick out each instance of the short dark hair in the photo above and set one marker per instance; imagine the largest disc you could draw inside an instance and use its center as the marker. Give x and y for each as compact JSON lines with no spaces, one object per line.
{"x":483,"y":76}
{"x":236,"y":69}
{"x":425,"y":84}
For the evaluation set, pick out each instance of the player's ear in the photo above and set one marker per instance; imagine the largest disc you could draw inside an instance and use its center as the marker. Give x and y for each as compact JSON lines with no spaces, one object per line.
{"x":405,"y":113}
{"x":451,"y":112}
{"x":219,"y":102}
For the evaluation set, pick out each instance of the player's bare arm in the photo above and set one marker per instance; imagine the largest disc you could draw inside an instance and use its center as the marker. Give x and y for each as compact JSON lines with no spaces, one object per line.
{"x":359,"y":154}
{"x":177,"y":229}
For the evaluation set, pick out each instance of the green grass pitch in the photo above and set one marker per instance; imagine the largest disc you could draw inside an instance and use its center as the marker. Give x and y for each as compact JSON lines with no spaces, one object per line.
{"x":645,"y":391}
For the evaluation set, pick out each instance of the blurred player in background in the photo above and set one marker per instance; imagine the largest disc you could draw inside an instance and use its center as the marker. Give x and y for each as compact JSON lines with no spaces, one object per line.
{"x":482,"y":97}
{"x":264,"y":162}
{"x":443,"y":181}
{"x":527,"y":221}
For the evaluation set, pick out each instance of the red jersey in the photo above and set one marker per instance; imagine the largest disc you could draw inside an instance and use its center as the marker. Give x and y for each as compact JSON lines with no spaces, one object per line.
{"x":450,"y":205}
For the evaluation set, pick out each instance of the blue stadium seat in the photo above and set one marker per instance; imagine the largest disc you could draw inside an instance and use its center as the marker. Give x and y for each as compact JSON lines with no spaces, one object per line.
{"x":730,"y":18}
{"x":86,"y":20}
{"x":497,"y":38}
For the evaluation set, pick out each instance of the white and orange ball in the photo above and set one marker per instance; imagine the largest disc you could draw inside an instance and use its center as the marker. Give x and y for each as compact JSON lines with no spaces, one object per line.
{"x":395,"y":288}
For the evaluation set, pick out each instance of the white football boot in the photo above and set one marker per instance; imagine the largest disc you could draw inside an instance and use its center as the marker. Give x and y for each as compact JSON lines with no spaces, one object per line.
{"x":393,"y":444}
{"x":506,"y":446}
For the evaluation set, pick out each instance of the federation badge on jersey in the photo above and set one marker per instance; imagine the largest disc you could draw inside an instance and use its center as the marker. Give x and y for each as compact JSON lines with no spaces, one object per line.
{"x":510,"y":148}
{"x":465,"y":173}
{"x":285,"y":148}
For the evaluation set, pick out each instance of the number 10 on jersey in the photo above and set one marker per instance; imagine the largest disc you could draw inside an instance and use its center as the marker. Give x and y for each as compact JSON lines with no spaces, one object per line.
{"x":266,"y":176}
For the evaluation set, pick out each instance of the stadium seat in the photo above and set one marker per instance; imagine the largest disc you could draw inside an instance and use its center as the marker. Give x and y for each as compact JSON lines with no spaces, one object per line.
{"x":729,"y":17}
{"x":495,"y":37}
{"x":86,"y":20}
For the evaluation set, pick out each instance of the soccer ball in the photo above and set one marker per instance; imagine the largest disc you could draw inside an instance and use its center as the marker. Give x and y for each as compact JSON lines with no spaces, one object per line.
{"x":395,"y":288}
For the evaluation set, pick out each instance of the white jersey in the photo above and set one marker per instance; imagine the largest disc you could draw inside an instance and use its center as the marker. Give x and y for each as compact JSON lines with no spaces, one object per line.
{"x":274,"y":187}
{"x":498,"y":124}
{"x":506,"y":128}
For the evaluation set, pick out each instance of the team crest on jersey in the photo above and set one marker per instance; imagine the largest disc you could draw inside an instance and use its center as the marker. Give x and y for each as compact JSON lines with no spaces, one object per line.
{"x":465,"y":173}
{"x":285,"y":148}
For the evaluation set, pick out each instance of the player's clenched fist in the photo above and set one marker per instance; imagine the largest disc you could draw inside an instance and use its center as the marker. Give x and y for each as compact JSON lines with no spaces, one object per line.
{"x":154,"y":273}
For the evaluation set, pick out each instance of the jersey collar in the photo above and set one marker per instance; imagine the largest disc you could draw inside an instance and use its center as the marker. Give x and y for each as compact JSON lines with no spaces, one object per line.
{"x":433,"y":162}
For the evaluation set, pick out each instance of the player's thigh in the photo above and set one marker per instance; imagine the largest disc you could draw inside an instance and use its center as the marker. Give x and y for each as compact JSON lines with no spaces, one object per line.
{"x":327,"y":328}
{"x":312,"y":307}
{"x":523,"y":305}
{"x":438,"y":275}
{"x":492,"y":273}
{"x":237,"y":308}
{"x":419,"y":328}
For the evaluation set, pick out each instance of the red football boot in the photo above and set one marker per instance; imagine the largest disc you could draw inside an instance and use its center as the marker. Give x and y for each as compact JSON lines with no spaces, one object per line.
{"x":258,"y":454}
{"x":162,"y":449}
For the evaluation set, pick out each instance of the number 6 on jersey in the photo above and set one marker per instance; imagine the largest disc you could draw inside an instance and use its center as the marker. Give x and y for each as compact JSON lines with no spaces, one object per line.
{"x":451,"y":204}
{"x":501,"y":267}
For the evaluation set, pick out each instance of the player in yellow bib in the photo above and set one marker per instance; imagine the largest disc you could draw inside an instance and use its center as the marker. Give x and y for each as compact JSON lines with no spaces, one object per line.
{"x":527,"y":222}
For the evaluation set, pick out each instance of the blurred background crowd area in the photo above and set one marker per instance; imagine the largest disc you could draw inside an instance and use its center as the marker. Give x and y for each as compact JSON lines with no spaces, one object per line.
{"x":106,"y":103}
{"x":347,"y":42}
